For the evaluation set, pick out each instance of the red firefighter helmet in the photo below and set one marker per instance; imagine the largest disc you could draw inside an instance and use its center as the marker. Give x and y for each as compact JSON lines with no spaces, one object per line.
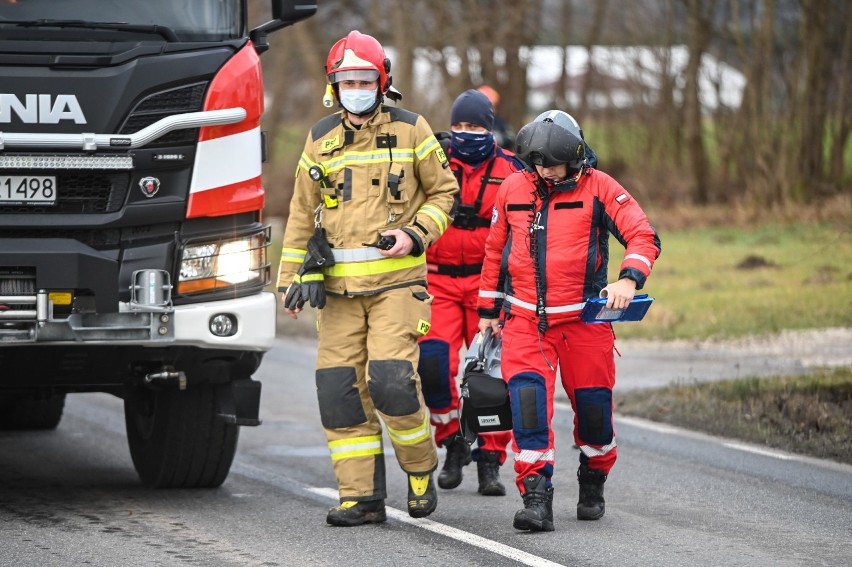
{"x":358,"y":57}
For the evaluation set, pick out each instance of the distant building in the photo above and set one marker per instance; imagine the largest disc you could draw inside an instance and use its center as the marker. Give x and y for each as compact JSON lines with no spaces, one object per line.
{"x":621,"y":77}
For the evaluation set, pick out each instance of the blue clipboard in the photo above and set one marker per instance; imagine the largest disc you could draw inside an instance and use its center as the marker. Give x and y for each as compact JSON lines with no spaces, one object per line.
{"x":595,"y":310}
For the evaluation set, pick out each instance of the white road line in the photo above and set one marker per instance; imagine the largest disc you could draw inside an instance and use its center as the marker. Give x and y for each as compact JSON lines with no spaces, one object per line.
{"x":522,"y":557}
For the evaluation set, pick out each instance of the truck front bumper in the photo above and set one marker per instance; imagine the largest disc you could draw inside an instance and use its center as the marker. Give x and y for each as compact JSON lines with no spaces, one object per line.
{"x":252,"y":326}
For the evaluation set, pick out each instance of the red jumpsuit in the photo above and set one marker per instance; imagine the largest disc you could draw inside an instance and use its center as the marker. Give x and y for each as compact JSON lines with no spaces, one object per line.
{"x":454,"y":264}
{"x":557,"y":242}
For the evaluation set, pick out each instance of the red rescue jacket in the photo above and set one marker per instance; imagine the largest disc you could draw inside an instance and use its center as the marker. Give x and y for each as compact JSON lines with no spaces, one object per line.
{"x":558,"y":245}
{"x":463,"y":243}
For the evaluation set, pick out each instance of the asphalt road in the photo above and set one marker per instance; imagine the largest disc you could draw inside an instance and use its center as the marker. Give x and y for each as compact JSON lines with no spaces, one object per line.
{"x":71,"y":497}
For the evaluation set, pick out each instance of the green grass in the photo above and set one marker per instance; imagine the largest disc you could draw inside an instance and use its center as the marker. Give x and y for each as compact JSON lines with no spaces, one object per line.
{"x":804,"y":414}
{"x":723,"y":282}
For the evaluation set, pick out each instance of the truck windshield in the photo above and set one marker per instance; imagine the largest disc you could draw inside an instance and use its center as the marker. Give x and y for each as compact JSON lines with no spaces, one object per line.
{"x":190,"y":20}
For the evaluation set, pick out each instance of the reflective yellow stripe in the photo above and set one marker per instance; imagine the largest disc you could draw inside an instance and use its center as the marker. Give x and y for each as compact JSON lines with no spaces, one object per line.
{"x":355,"y":447}
{"x":305,"y":162}
{"x":374,"y":267}
{"x":352,"y":158}
{"x":313,"y":278}
{"x":430,"y":144}
{"x":412,"y":436}
{"x":437,"y":215}
{"x":294,"y":255}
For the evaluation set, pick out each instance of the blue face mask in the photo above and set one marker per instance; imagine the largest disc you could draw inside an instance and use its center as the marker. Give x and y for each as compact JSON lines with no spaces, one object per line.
{"x":358,"y":101}
{"x":471,"y":147}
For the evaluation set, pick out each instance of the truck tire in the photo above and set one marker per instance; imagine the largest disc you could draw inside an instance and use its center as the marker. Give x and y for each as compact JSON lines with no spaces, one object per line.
{"x":31,"y":412}
{"x":176,"y":439}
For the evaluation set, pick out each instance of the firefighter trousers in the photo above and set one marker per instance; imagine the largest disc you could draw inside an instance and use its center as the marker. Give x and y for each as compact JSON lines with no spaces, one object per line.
{"x":366,"y":370}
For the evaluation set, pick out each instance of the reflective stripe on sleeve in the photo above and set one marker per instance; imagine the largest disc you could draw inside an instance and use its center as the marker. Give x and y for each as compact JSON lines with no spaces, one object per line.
{"x":492,"y":294}
{"x":295,"y":255}
{"x":437,"y":215}
{"x":639,"y":257}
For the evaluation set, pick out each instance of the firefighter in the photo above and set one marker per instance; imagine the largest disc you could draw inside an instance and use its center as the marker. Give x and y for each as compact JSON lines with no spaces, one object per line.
{"x":373,"y":191}
{"x":556,"y":219}
{"x":454,"y":264}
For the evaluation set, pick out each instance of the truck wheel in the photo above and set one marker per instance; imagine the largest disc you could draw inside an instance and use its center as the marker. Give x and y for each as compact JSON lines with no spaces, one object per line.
{"x":31,"y":412}
{"x":176,"y":439}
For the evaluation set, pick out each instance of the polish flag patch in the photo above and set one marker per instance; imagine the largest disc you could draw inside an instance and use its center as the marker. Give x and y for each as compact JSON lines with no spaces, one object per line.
{"x":623,"y":198}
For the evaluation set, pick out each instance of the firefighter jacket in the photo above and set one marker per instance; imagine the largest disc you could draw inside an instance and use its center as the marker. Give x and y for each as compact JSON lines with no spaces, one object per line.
{"x":390,"y":173}
{"x":461,"y":250}
{"x":558,"y":245}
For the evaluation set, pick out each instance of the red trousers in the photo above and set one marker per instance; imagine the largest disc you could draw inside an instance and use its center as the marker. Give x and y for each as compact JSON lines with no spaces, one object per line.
{"x":583,"y":354}
{"x":454,"y":322}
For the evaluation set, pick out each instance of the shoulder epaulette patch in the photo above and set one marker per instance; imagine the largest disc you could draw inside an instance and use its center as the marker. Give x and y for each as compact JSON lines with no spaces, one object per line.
{"x":403,"y":115}
{"x":325,"y":126}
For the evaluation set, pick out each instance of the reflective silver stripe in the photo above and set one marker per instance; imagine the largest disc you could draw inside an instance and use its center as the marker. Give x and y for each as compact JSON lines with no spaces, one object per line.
{"x":639,"y":257}
{"x":558,"y":309}
{"x":592,"y":452}
{"x":492,"y":294}
{"x":448,"y":417}
{"x":348,"y":255}
{"x":528,"y":456}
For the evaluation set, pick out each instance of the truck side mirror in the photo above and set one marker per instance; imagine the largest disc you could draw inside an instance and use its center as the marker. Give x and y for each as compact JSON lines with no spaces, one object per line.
{"x":284,"y":13}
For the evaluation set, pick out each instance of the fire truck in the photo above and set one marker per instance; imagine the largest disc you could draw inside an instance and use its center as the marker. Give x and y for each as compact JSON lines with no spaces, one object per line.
{"x":133,"y":252}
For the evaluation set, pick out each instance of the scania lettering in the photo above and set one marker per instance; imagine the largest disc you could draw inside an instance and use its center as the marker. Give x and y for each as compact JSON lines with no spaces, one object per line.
{"x":133,"y":252}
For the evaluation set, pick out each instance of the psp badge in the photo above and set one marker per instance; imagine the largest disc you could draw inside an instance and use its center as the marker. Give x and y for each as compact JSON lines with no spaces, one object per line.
{"x":149,"y":186}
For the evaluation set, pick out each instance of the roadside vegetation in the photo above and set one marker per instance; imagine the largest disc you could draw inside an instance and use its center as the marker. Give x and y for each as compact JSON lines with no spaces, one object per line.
{"x":723,"y":282}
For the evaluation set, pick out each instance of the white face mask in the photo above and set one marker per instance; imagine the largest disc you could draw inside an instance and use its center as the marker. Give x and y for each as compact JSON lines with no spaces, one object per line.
{"x":357,"y":101}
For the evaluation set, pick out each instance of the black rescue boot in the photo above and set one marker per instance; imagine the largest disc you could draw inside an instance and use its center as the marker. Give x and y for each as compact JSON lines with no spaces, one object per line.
{"x":422,"y":496}
{"x":458,"y":455}
{"x":352,"y":513}
{"x":488,"y":470}
{"x":537,"y":515}
{"x":591,"y":505}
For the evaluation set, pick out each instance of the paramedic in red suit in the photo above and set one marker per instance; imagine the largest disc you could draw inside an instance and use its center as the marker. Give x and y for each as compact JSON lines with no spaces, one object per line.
{"x":454,"y":264}
{"x":556,"y":219}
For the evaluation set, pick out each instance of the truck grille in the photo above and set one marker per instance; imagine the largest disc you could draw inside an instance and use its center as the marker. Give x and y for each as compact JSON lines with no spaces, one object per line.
{"x":166,"y":103}
{"x":100,"y":239}
{"x":84,"y":192}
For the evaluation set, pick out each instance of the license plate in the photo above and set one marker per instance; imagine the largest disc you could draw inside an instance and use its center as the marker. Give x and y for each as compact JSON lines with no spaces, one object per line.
{"x":27,"y":190}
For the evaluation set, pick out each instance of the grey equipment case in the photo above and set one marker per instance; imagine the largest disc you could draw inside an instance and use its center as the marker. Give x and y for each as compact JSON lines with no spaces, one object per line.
{"x":484,"y":397}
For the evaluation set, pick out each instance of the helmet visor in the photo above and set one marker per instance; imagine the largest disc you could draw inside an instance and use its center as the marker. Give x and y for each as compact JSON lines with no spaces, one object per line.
{"x":353,"y":75}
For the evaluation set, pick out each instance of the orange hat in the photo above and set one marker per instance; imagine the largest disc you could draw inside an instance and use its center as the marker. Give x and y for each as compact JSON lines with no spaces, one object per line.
{"x":492,"y":94}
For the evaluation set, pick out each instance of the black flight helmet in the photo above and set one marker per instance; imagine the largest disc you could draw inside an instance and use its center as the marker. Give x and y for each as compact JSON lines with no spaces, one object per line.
{"x":554,"y":137}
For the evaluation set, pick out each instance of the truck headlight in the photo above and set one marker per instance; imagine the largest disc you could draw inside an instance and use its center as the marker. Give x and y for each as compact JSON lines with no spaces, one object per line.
{"x":209,"y":266}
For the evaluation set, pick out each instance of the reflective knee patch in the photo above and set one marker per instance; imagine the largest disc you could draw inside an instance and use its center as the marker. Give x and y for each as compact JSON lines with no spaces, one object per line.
{"x":594,"y":415}
{"x":391,"y":386}
{"x":339,"y":401}
{"x":529,"y":410}
{"x":434,"y":371}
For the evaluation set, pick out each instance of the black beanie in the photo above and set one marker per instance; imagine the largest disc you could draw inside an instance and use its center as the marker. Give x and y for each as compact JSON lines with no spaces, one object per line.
{"x":474,"y":107}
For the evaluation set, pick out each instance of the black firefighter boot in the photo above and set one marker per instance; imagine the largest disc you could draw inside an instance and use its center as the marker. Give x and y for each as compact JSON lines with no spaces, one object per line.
{"x":537,"y":515}
{"x":353,"y":513}
{"x":458,"y":455}
{"x":591,"y":505}
{"x":488,"y":471}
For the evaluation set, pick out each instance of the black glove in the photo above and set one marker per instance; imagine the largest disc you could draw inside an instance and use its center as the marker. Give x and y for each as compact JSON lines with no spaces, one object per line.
{"x":293,"y":300}
{"x":319,"y":252}
{"x":313,"y":289}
